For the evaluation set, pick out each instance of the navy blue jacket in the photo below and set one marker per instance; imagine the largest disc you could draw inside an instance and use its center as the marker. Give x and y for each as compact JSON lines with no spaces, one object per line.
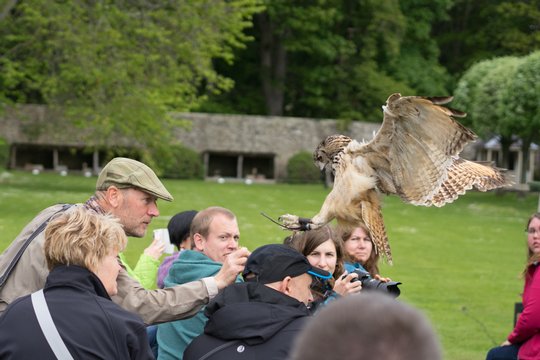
{"x":90,"y":324}
{"x":249,"y":321}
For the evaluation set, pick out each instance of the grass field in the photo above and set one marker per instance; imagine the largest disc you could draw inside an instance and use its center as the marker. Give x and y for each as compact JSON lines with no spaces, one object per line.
{"x":460,"y":264}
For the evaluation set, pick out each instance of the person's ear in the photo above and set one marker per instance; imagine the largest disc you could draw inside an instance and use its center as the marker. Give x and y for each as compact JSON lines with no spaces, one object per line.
{"x":285,"y":285}
{"x":198,"y":242}
{"x":114,"y":196}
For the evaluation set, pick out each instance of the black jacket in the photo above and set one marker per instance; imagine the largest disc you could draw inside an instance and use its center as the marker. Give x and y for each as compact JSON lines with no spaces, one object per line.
{"x":249,"y":321}
{"x":90,"y":324}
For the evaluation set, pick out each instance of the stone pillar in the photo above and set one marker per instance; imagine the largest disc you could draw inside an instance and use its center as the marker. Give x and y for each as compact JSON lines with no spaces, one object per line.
{"x":206,"y":160}
{"x":530,"y":172}
{"x":95,"y":162}
{"x":13,"y":157}
{"x":519,"y":167}
{"x":239,"y":165}
{"x":55,"y":159}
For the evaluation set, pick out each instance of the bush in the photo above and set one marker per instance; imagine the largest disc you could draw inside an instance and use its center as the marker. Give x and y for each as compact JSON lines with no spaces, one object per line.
{"x":301,"y":170}
{"x":4,"y":153}
{"x":534,"y":186}
{"x":182,"y":163}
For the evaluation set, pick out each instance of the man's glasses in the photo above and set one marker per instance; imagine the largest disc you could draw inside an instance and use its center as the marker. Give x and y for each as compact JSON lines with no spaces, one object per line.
{"x":532,"y":231}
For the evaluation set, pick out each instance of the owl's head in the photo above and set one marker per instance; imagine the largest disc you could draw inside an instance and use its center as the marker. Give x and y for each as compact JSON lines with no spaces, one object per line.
{"x":328,"y":150}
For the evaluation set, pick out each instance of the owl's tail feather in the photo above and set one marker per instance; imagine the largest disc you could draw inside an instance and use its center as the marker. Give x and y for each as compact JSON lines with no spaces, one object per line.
{"x":372,"y":217}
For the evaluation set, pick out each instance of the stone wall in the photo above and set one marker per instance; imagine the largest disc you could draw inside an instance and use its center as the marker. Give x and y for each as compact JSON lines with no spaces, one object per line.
{"x":268,"y":136}
{"x":245,"y":134}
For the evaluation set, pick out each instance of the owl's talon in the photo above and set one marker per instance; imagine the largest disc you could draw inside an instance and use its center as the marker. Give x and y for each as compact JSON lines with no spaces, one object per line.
{"x":293,"y":222}
{"x":289,"y":221}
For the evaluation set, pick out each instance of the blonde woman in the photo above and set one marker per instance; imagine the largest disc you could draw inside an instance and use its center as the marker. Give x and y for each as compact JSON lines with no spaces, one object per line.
{"x":360,"y":252}
{"x":81,"y":248}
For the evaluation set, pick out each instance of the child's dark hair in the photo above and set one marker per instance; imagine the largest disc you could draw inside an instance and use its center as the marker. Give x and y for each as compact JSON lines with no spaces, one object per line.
{"x":179,"y":226}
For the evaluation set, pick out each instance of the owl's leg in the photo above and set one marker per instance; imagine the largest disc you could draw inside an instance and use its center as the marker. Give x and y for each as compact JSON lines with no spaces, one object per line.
{"x":324,"y":216}
{"x":327,"y":212}
{"x":293,"y":222}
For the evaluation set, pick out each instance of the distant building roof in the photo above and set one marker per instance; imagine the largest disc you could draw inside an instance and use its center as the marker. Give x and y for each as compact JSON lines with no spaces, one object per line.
{"x":495,"y":144}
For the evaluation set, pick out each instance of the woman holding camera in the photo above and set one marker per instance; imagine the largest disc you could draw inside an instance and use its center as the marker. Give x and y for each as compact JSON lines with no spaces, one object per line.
{"x":524,"y":341}
{"x":360,"y":253}
{"x":324,"y":249}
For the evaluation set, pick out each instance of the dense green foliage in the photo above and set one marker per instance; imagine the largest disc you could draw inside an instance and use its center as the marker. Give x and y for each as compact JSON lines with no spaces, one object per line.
{"x":341,"y":58}
{"x":300,"y":169}
{"x":334,"y":58}
{"x":481,"y":29}
{"x":185,"y":163}
{"x":120,"y":67}
{"x":460,"y":264}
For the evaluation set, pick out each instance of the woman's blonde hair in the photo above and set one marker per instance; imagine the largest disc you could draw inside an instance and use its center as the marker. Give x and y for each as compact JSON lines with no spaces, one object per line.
{"x":532,"y":258}
{"x":82,"y":237}
{"x":372,"y":263}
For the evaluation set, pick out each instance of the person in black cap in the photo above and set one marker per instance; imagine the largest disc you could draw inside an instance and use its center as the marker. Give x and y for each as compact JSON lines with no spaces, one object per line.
{"x":128,"y":190}
{"x":260,"y":318}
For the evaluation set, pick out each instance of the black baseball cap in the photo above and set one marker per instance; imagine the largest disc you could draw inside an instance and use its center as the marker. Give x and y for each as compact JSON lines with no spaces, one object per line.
{"x":274,"y":262}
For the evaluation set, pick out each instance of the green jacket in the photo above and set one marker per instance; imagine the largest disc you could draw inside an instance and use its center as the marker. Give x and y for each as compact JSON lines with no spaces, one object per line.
{"x":144,"y":272}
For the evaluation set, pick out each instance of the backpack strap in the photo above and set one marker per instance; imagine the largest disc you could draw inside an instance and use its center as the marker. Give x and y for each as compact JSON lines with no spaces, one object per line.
{"x":48,"y":328}
{"x":27,"y":242}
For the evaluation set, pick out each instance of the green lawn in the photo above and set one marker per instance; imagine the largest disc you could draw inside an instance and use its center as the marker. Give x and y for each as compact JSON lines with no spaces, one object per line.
{"x":460,"y":264}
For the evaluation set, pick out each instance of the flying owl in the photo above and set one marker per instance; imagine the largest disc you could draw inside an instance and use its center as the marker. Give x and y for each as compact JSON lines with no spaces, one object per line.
{"x":413,"y":155}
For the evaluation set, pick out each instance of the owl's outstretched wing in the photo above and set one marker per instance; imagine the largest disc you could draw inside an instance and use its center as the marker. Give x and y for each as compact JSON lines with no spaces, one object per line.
{"x":415,"y":152}
{"x":463,"y":175}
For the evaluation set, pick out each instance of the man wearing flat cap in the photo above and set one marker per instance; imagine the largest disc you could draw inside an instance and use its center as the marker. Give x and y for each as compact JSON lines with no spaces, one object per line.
{"x":129,"y":190}
{"x":260,"y":318}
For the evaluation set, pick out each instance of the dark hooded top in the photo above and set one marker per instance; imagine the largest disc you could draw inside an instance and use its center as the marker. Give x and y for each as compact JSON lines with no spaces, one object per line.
{"x":249,"y":321}
{"x":90,"y":324}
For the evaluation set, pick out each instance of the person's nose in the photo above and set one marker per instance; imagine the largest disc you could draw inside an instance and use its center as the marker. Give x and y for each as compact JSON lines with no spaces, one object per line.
{"x":310,"y":297}
{"x":153,"y":210}
{"x":118,"y":268}
{"x":322,"y":262}
{"x":233,"y":244}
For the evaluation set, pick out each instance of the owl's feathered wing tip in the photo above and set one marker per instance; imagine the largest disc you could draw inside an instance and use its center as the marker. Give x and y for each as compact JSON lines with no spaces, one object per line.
{"x":464,"y":175}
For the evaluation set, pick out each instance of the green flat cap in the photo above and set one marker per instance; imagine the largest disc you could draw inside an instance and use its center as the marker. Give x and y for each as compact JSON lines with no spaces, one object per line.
{"x":123,"y":172}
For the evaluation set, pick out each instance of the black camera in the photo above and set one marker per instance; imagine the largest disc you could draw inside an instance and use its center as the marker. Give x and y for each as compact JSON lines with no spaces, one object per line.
{"x":369,"y":283}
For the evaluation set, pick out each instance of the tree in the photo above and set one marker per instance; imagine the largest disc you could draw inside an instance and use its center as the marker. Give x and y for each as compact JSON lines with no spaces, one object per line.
{"x":335,"y":58}
{"x":483,"y":29}
{"x":523,"y":104}
{"x":502,"y":96}
{"x":482,"y":93}
{"x":120,"y":67}
{"x":418,"y":62}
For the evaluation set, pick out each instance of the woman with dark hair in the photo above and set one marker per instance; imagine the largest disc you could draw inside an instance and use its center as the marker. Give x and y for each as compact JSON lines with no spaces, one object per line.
{"x":178,"y":228}
{"x":524,"y":341}
{"x":324,"y":250}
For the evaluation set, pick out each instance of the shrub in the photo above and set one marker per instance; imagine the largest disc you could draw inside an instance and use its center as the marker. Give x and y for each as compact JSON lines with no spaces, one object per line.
{"x":182,"y":163}
{"x":534,"y":186}
{"x":300,"y":169}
